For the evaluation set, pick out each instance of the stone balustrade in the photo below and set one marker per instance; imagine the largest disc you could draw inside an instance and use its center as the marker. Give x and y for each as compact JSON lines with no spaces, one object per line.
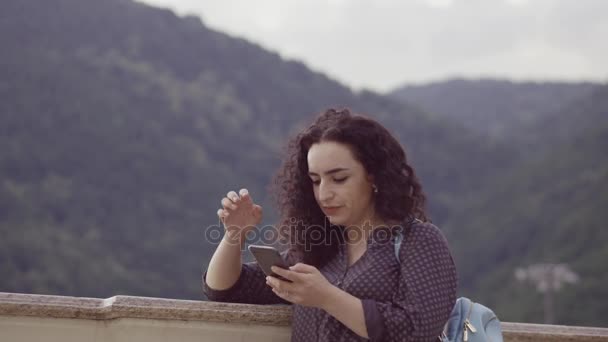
{"x":28,"y":317}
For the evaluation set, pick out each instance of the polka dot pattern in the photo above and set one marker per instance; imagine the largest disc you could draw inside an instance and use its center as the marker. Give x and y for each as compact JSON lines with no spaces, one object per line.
{"x":408,"y":299}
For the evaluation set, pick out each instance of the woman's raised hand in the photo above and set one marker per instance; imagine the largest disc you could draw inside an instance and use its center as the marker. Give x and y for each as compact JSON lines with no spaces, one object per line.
{"x":239,"y":214}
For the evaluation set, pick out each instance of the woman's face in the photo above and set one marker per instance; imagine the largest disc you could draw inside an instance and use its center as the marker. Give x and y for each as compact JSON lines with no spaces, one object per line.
{"x":342,"y":187}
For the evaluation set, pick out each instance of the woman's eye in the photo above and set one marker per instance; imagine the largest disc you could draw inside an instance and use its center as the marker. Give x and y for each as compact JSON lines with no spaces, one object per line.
{"x":340,"y":180}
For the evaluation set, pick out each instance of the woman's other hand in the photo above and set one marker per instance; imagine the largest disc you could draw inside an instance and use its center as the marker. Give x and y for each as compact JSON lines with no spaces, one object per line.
{"x":239,"y":214}
{"x":308,"y":287}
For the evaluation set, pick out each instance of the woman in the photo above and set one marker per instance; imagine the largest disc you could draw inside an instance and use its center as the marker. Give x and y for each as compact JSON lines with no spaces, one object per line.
{"x":344,"y":191}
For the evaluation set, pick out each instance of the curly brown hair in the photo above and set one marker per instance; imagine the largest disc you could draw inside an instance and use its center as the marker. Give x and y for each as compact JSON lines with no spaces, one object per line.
{"x":399,"y":195}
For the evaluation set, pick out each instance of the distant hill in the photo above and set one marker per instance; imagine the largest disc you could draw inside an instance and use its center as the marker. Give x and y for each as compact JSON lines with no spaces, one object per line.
{"x":551,"y":209}
{"x":123,"y":126}
{"x":497,"y":108}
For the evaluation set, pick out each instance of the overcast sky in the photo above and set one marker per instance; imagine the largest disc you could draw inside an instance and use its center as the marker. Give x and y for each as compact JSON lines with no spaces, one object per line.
{"x":381,"y":44}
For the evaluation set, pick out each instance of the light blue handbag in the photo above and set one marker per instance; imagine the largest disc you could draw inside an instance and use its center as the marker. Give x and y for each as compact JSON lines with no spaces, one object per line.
{"x":469,"y":321}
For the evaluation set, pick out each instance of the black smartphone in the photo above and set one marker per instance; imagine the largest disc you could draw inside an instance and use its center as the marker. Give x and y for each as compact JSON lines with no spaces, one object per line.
{"x":267,"y":257}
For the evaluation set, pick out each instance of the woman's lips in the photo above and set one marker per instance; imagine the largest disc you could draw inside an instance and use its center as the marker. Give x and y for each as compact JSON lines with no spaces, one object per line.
{"x":330,"y":210}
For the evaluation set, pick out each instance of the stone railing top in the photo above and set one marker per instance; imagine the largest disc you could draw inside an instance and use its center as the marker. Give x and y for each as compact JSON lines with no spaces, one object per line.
{"x":16,"y":304}
{"x":546,"y":332}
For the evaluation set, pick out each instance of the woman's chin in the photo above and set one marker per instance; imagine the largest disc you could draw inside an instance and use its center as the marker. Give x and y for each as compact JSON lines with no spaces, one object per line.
{"x":337,"y":220}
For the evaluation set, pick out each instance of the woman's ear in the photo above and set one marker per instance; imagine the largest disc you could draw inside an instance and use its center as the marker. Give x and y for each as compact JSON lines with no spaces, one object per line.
{"x":371,"y":179}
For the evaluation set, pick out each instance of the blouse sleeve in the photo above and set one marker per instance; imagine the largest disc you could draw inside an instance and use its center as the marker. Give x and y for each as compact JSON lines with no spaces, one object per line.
{"x":250,"y":288}
{"x":426,"y":294}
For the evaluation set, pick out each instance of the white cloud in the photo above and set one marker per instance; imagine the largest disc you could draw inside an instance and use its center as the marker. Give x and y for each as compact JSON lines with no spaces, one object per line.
{"x":439,"y":3}
{"x":517,"y":2}
{"x":381,"y":44}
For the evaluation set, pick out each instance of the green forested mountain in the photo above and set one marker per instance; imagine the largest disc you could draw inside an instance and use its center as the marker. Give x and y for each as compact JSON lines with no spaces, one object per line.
{"x":548,"y":209}
{"x":498,"y":108}
{"x":123,"y":125}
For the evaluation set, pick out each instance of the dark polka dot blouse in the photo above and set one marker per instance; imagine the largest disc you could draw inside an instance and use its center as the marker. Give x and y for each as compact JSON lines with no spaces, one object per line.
{"x":408,"y":299}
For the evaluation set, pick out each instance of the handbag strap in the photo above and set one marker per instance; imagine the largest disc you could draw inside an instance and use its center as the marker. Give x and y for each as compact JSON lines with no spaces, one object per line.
{"x":399,"y":239}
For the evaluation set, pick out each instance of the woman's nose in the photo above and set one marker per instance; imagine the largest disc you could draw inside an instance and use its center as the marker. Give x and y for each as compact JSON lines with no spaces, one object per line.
{"x":325,"y":192}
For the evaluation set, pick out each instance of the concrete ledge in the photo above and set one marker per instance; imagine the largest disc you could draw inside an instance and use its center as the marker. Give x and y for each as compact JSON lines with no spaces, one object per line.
{"x":544,"y":332}
{"x":123,"y":316}
{"x":16,"y":304}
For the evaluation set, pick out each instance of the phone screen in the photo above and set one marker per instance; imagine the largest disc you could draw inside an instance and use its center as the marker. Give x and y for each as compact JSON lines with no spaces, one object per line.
{"x":266,"y":257}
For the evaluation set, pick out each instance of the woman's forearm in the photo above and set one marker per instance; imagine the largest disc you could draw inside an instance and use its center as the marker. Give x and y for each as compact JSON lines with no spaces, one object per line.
{"x":347,"y":309}
{"x":225,"y":265}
